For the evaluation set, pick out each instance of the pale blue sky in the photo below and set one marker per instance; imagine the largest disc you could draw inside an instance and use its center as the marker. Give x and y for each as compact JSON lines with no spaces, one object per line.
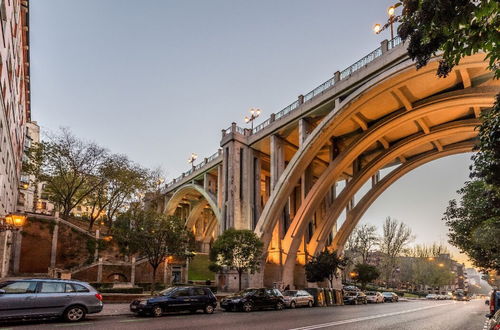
{"x":157,"y":80}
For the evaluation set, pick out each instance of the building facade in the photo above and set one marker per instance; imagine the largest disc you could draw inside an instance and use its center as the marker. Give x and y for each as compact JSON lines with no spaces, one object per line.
{"x":15,"y":111}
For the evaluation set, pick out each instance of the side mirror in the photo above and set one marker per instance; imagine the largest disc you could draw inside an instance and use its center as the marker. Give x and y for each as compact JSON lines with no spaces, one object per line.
{"x":486,"y":302}
{"x":489,"y":316}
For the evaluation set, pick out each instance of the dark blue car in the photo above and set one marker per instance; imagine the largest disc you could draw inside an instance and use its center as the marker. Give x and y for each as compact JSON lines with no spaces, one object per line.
{"x":177,"y":299}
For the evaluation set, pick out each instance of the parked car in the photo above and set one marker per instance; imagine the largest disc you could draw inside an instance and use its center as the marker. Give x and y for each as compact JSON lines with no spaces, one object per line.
{"x":374,"y":297}
{"x":252,"y":299}
{"x":42,"y":298}
{"x":390,"y":296}
{"x":295,"y":298}
{"x":354,"y":298}
{"x":431,"y":296}
{"x":177,"y":299}
{"x":494,"y":302}
{"x":494,"y":323}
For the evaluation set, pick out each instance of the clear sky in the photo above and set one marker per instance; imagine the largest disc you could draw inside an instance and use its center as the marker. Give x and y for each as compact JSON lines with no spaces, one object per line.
{"x":159,"y":79}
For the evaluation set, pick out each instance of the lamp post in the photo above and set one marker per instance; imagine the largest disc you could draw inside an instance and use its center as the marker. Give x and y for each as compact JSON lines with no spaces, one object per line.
{"x":377,"y":28}
{"x":254,"y":114}
{"x":192,"y":158}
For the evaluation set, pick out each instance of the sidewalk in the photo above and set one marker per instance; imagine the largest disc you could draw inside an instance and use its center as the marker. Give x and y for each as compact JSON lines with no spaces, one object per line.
{"x":115,"y":310}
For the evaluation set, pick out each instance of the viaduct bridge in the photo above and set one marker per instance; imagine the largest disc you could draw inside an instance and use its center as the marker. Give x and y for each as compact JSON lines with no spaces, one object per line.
{"x":304,"y":177}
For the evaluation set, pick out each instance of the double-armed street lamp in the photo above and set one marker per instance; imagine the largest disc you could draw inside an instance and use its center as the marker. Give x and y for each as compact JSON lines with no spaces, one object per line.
{"x":192,"y":158}
{"x":377,"y":28}
{"x":254,"y":114}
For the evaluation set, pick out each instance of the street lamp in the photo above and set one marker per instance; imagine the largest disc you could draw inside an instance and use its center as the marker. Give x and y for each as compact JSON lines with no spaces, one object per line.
{"x":254,"y":113}
{"x":13,"y":221}
{"x":377,"y":28}
{"x":192,"y":158}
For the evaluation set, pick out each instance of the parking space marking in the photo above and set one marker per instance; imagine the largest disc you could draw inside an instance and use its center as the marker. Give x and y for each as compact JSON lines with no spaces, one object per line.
{"x":366,"y":318}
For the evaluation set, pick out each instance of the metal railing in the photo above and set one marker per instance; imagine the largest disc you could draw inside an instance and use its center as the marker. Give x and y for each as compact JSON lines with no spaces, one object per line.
{"x":344,"y":74}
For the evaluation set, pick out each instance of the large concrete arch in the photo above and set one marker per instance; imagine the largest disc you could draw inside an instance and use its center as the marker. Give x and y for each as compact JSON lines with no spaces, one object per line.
{"x":292,"y":242}
{"x":477,"y":97}
{"x":179,"y":194}
{"x":367,"y":200}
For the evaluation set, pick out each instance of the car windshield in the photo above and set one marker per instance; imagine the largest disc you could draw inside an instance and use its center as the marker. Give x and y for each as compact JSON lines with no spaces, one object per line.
{"x":290,"y":293}
{"x":167,"y":291}
{"x":387,"y":293}
{"x":370,"y":293}
{"x":352,"y":294}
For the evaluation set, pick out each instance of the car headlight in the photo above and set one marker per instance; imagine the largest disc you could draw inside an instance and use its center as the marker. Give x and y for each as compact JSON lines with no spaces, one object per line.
{"x":236,"y":301}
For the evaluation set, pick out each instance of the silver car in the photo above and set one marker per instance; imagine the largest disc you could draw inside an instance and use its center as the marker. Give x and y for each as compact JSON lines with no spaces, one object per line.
{"x":36,"y":298}
{"x":294,"y":298}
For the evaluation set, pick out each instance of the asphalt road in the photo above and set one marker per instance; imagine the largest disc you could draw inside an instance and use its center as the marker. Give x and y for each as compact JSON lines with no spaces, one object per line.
{"x":428,"y":315}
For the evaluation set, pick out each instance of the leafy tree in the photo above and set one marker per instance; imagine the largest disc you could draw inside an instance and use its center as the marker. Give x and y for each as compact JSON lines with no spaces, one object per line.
{"x":68,"y":166}
{"x":121,"y":180}
{"x":154,"y":236}
{"x":458,"y":28}
{"x":475,"y":224}
{"x":325,"y":266}
{"x":461,"y":28}
{"x":366,"y":273}
{"x":396,"y":236}
{"x":240,"y":250}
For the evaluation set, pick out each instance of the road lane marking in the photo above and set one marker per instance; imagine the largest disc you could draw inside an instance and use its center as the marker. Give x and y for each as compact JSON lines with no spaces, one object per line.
{"x":132,"y":320}
{"x":366,"y":318}
{"x":72,"y":324}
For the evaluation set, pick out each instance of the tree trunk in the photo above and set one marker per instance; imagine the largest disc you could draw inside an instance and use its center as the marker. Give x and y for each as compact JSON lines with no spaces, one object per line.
{"x":153,"y":284}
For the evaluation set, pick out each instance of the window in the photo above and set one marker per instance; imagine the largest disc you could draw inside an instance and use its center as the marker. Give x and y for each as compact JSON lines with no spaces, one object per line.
{"x":80,"y":288}
{"x":198,"y":292}
{"x":18,"y":287}
{"x":182,"y":293}
{"x":69,"y":288}
{"x":53,"y":287}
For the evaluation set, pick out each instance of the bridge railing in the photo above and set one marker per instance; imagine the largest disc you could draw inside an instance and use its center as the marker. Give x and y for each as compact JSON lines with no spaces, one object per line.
{"x":339,"y":76}
{"x":206,"y":162}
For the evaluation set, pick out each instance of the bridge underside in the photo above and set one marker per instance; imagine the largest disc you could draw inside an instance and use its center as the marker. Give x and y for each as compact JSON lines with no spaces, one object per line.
{"x":303,"y":182}
{"x":401,"y":120}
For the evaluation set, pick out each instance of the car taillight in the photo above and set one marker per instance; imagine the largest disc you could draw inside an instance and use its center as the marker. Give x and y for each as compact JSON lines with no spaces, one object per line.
{"x":497,"y":327}
{"x":98,"y":296}
{"x":492,"y":305}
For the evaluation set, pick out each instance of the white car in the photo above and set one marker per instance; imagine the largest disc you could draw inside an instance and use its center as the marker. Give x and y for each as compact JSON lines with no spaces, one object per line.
{"x":374,"y":297}
{"x":431,"y":296}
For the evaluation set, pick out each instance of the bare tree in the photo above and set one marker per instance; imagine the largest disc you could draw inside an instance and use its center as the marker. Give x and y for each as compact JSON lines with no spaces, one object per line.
{"x":396,"y":236}
{"x":366,"y":239}
{"x":68,"y":166}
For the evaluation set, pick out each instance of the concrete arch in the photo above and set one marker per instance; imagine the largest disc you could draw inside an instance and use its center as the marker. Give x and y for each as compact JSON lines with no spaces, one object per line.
{"x":179,"y":194}
{"x":357,"y":212}
{"x":479,"y":96}
{"x":293,"y":237}
{"x":473,"y":97}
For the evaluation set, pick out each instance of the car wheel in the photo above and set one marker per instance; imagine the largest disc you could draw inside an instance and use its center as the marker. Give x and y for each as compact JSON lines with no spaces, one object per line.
{"x":157,"y":311}
{"x":74,"y":313}
{"x":247,"y":307}
{"x":310,"y":304}
{"x":209,"y":309}
{"x":292,"y":304}
{"x":355,"y":302}
{"x":365,"y":302}
{"x":279,"y":305}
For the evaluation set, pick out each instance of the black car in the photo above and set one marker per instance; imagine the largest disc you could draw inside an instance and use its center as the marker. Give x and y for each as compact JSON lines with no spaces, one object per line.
{"x":354,"y":298}
{"x":252,"y":299}
{"x":177,"y":299}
